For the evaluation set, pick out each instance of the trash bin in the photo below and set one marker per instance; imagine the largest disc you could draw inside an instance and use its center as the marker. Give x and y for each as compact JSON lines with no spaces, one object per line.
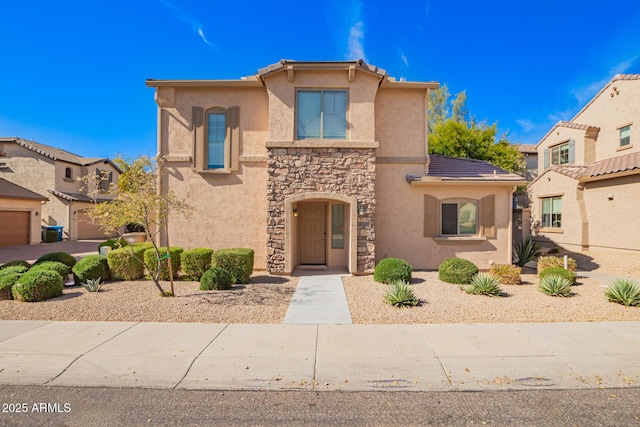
{"x":57,"y":228}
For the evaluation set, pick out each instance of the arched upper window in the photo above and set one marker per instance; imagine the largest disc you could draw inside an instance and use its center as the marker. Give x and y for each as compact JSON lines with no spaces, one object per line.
{"x":68,"y":173}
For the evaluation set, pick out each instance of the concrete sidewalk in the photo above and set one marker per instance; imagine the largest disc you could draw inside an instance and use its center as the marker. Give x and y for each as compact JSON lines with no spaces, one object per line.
{"x":321,"y":357}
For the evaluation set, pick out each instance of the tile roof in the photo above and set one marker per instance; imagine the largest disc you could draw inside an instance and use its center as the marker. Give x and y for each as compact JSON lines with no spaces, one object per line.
{"x":55,"y":153}
{"x":613,"y":165}
{"x":570,"y":125}
{"x":76,"y":197}
{"x":571,"y":171}
{"x":459,"y":169}
{"x":14,"y":191}
{"x":527,"y":149}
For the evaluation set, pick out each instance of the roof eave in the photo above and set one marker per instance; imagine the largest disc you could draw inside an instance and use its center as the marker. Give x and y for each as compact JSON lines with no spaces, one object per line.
{"x":603,"y":177}
{"x":247,"y":82}
{"x":429,"y":180}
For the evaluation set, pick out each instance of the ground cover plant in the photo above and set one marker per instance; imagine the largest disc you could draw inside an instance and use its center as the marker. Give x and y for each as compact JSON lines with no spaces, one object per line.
{"x":400,"y":294}
{"x":624,"y":291}
{"x":457,"y":270}
{"x":389,"y":270}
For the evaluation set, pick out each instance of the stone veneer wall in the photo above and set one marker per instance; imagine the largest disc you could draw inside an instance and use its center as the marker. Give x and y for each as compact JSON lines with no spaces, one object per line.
{"x":293,"y":171}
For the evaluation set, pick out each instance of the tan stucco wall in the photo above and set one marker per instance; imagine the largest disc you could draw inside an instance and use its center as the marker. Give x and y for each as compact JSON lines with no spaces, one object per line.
{"x":559,"y":136}
{"x":555,"y":184}
{"x":229,"y":210}
{"x":400,"y":222}
{"x":610,"y":113}
{"x":401,"y":120}
{"x":614,"y":223}
{"x":31,"y":206}
{"x":360,"y":97}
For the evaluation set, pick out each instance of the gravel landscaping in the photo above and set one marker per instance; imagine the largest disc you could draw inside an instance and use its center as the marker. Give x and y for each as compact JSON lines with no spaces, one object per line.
{"x":266,"y":299}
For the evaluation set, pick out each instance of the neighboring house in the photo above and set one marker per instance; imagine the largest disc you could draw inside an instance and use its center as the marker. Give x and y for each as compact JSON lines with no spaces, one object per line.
{"x":587,"y":192}
{"x":20,"y":213}
{"x":521,"y":210}
{"x":324,"y":163}
{"x":530,"y":153}
{"x":55,"y":173}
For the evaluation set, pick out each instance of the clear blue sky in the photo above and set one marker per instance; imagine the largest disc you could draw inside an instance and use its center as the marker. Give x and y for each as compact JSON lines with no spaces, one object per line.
{"x":73,"y":72}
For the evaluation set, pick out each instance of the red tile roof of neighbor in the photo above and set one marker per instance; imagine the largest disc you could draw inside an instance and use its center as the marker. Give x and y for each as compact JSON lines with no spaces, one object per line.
{"x":14,"y":191}
{"x":606,"y":168}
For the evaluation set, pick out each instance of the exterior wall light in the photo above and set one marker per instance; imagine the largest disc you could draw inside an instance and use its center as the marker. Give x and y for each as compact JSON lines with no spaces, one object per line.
{"x":361,"y":210}
{"x":295,"y":211}
{"x":610,"y":196}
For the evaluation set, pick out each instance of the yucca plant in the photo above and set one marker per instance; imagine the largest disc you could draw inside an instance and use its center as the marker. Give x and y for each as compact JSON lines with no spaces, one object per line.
{"x":400,"y":294}
{"x":555,"y":286}
{"x":484,"y":284}
{"x":623,"y":291}
{"x":92,"y":285}
{"x":525,"y":251}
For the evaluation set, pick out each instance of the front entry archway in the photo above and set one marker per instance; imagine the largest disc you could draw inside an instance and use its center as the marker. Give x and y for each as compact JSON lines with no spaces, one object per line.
{"x":304,"y":228}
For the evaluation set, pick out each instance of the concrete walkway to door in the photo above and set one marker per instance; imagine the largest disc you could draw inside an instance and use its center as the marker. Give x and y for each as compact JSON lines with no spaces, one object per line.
{"x":319,"y":298}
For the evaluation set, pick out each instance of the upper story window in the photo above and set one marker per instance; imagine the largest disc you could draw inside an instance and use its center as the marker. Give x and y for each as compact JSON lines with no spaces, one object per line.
{"x":625,"y":136}
{"x":321,"y":114}
{"x":216,"y":136}
{"x":560,"y":154}
{"x":68,"y":173}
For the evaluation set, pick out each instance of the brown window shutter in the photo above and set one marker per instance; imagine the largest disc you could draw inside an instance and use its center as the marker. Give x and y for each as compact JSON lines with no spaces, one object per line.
{"x":431,"y":216}
{"x":233,"y":117}
{"x":199,"y":143}
{"x":488,"y":216}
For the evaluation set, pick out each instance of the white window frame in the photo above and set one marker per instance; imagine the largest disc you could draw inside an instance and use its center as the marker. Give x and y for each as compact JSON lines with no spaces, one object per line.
{"x":625,"y":141}
{"x":560,"y":150}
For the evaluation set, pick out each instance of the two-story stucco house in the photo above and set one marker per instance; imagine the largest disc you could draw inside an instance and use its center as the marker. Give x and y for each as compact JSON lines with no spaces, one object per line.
{"x":325,"y":163}
{"x":586,"y":194}
{"x":54,"y":173}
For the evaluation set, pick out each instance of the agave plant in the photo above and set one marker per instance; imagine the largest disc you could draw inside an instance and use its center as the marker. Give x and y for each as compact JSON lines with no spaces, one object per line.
{"x":623,"y":291}
{"x":400,"y":294}
{"x":484,"y":284}
{"x":555,"y":286}
{"x":92,"y":285}
{"x":525,"y":251}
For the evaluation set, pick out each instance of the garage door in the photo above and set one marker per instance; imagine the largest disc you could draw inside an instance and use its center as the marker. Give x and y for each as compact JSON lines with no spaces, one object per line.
{"x":14,"y":228}
{"x":87,"y":230}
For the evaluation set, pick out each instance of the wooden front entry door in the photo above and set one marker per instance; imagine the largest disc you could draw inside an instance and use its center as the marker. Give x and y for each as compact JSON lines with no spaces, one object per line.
{"x":312,"y":231}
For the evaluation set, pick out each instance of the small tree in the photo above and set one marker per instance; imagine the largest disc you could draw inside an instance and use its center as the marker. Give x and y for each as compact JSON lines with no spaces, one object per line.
{"x":135,"y":199}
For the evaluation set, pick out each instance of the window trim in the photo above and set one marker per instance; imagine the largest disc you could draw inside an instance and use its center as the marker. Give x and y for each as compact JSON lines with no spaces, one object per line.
{"x":226,"y":147}
{"x":458,"y":202}
{"x":200,"y":121}
{"x":321,"y":91}
{"x":68,"y":173}
{"x":551,"y":198}
{"x":628,"y":144}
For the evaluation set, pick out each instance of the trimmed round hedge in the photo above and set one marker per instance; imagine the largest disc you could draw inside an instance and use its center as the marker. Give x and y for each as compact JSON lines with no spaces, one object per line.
{"x":216,"y":278}
{"x":195,"y":262}
{"x":151,"y":259}
{"x":62,"y":257}
{"x":92,"y":267}
{"x":457,"y":270}
{"x":392,"y":269}
{"x":14,"y":263}
{"x":559,"y":271}
{"x":237,"y":261}
{"x":38,"y":285}
{"x":60,"y":268}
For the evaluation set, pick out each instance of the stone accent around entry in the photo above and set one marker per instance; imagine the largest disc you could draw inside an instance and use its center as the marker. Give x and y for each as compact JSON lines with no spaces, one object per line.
{"x":332,"y":171}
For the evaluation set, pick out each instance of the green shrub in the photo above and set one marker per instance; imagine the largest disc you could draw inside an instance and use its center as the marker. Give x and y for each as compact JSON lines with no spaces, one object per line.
{"x":58,"y":267}
{"x":151,"y":259}
{"x":624,"y":291}
{"x":457,"y":270}
{"x":91,"y":267}
{"x":507,"y":274}
{"x":545,"y":262}
{"x":555,"y":286}
{"x":124,"y":266}
{"x":216,"y":278}
{"x":6,"y":283}
{"x":237,"y":261}
{"x":12,"y":269}
{"x":559,"y":271}
{"x":14,"y":263}
{"x":195,"y":262}
{"x":62,"y":257}
{"x":484,"y":284}
{"x":525,"y":251}
{"x":113,"y":243}
{"x":38,"y":285}
{"x":400,"y":294}
{"x":392,"y":269}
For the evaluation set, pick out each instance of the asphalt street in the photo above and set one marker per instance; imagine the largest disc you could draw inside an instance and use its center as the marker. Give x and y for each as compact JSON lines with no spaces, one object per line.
{"x":100,"y":406}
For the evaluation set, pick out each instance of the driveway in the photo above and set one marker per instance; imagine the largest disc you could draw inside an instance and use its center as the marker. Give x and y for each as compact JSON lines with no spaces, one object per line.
{"x":77,"y":248}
